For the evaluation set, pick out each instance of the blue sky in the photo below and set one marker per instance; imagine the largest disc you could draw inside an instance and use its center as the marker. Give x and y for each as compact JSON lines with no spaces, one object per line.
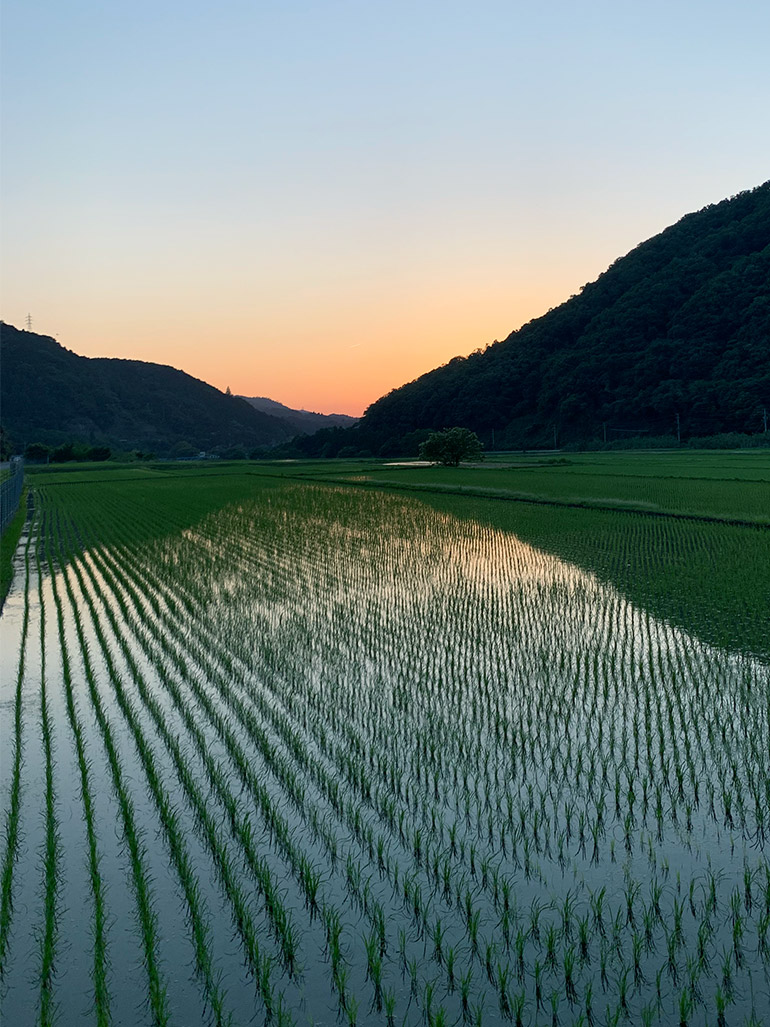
{"x":320,"y":201}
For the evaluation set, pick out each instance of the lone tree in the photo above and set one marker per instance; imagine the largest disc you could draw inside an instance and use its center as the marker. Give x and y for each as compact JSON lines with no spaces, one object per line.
{"x":451,"y":446}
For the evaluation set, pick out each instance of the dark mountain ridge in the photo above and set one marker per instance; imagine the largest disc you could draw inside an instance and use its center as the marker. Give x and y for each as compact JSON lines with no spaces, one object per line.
{"x":678,"y":326}
{"x":51,"y":395}
{"x":302,"y":422}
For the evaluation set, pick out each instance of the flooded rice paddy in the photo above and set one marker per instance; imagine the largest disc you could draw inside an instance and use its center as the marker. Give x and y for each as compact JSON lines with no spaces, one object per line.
{"x":330,"y":757}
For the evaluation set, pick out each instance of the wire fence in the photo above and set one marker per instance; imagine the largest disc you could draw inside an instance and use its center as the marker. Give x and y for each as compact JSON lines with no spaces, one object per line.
{"x":10,"y":493}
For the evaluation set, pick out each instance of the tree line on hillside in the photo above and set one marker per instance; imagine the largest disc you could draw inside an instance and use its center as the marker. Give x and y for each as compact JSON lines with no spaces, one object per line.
{"x":38,"y":452}
{"x":338,"y":444}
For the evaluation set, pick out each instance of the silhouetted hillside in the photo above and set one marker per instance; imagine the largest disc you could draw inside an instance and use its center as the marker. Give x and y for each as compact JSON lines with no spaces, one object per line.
{"x":301,"y":422}
{"x":52,"y":395}
{"x":681,"y":325}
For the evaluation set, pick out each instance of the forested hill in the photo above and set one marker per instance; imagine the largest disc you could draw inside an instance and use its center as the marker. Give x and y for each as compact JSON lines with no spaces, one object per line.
{"x":680,"y":325}
{"x":51,"y":395}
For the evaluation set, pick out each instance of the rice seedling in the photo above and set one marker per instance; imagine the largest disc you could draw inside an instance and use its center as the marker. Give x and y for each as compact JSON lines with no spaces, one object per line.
{"x":550,"y":944}
{"x":414,"y":976}
{"x":466,"y":981}
{"x":685,"y":1007}
{"x":588,"y":1004}
{"x":351,"y":1010}
{"x":569,"y":973}
{"x":504,"y":998}
{"x":555,"y":1003}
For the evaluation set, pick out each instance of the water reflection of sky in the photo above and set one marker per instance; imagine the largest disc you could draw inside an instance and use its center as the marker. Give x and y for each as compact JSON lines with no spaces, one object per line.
{"x":511,"y":711}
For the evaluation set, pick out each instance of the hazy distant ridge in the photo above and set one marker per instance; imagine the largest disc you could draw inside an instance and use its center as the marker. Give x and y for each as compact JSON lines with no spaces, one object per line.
{"x":301,"y":421}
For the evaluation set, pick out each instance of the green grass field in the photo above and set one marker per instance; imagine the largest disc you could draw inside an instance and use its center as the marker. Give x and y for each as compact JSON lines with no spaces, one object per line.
{"x":344,"y":743}
{"x":697,"y":484}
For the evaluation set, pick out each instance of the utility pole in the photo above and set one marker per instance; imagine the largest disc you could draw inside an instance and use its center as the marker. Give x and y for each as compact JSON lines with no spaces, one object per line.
{"x":764,"y":418}
{"x":604,"y":426}
{"x":554,"y":437}
{"x":493,"y":434}
{"x":678,"y":430}
{"x":29,"y":322}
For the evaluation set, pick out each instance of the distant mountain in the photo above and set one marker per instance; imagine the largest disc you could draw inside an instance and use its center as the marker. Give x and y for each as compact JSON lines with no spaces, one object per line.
{"x":679,"y":326}
{"x":301,"y":422}
{"x":52,"y":395}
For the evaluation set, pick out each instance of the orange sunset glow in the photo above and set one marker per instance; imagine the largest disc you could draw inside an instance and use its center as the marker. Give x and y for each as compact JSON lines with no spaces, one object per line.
{"x":319,"y":205}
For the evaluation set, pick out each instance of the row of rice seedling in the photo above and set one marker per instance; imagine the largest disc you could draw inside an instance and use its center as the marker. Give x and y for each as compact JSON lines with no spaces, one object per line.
{"x":11,"y":826}
{"x":51,"y":854}
{"x":26,"y":912}
{"x":466,"y":781}
{"x":659,"y":563}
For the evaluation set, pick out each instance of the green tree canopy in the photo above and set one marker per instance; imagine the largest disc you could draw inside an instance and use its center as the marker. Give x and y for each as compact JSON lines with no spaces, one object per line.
{"x":451,"y":446}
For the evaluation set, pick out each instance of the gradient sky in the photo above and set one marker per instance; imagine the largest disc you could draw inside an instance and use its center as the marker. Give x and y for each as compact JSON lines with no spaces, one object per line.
{"x":318,"y":201}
